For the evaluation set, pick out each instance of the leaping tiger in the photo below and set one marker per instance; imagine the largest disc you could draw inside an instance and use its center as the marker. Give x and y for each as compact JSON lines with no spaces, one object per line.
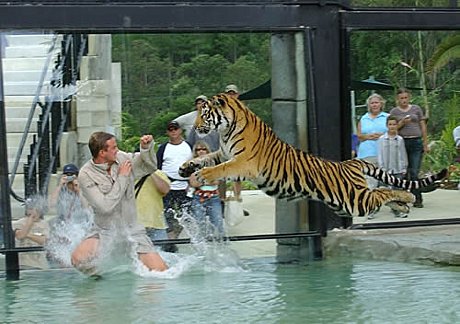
{"x":251,"y":150}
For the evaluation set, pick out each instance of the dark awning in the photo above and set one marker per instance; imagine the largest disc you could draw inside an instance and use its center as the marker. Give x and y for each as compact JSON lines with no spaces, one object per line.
{"x":264,"y":90}
{"x":372,"y":84}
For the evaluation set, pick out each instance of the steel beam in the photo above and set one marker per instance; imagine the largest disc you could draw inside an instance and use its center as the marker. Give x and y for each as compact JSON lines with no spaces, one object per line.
{"x":414,"y":19}
{"x":159,"y":18}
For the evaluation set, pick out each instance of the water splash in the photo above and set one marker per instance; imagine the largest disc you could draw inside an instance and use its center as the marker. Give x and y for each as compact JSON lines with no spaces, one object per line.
{"x":210,"y":252}
{"x":67,"y":229}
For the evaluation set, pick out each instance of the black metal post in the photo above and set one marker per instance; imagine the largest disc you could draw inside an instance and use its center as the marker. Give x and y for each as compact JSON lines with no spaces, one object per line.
{"x":11,"y":257}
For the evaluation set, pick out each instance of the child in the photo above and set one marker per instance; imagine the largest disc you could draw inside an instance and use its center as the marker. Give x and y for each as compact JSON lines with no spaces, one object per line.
{"x":392,"y":156}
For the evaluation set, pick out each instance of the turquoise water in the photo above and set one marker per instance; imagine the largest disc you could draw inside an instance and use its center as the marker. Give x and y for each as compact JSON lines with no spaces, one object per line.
{"x":243,"y":291}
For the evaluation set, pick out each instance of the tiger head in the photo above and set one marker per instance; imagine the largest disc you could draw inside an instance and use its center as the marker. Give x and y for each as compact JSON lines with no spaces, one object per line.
{"x":216,"y":113}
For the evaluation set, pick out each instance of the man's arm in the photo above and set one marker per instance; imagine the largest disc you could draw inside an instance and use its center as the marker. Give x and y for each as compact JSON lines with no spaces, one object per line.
{"x":145,"y":162}
{"x":162,"y":184}
{"x":102,"y":195}
{"x":403,"y":155}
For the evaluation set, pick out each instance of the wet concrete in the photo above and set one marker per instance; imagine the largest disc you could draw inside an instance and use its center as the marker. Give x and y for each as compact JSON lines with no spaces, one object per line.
{"x":424,"y":244}
{"x":421,"y":244}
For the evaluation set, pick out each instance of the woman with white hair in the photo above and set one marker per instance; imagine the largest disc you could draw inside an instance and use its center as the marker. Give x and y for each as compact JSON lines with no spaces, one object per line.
{"x":32,"y":230}
{"x":371,"y":126}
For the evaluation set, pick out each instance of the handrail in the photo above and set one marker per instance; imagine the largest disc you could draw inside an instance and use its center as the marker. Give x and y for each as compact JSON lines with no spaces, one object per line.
{"x":61,"y":125}
{"x":30,"y":118}
{"x":71,"y":46}
{"x":236,"y":238}
{"x":46,"y":114}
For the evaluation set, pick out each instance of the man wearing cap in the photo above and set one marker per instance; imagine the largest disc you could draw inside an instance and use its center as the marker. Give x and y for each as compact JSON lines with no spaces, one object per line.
{"x":170,"y":157}
{"x":72,"y":212}
{"x":67,"y":184}
{"x":187,"y":120}
{"x":232,"y":90}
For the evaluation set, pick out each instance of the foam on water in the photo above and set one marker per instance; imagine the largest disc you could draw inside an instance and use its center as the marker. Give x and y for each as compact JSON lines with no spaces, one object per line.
{"x":208,"y":251}
{"x":68,"y":228}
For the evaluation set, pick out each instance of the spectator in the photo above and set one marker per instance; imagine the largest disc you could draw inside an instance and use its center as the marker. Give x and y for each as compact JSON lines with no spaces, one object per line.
{"x":392,"y":156}
{"x":187,"y":120}
{"x":412,"y":127}
{"x":456,"y":134}
{"x":73,"y":220}
{"x":32,"y":230}
{"x":206,"y":202}
{"x":354,"y":145}
{"x":150,"y":191}
{"x":171,"y":156}
{"x":371,"y":126}
{"x":107,"y":182}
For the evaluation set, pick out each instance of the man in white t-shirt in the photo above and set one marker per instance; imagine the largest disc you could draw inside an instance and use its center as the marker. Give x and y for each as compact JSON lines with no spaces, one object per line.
{"x":171,"y":156}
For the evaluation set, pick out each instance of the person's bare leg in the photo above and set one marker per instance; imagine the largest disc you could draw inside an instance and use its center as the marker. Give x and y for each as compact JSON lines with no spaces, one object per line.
{"x":153,"y":261}
{"x":237,"y":189}
{"x":84,"y":253}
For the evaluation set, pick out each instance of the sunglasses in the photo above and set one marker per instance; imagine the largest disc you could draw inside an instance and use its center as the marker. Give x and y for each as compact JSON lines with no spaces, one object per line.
{"x":70,"y":174}
{"x":173,"y":128}
{"x":200,"y":149}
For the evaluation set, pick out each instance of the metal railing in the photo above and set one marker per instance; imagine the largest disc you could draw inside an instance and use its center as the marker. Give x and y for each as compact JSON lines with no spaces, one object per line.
{"x":44,"y":150}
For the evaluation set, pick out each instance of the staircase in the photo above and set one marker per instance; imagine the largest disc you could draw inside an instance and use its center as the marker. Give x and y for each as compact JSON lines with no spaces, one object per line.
{"x":24,"y":61}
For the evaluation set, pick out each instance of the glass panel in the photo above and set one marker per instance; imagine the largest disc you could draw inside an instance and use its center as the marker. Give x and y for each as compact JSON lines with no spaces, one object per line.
{"x":125,"y":84}
{"x":383,"y":61}
{"x":134,"y":84}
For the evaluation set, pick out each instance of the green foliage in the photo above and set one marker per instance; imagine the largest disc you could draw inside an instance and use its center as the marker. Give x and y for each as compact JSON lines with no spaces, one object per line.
{"x":443,"y":151}
{"x":446,"y":52}
{"x":163,"y":73}
{"x":245,"y":185}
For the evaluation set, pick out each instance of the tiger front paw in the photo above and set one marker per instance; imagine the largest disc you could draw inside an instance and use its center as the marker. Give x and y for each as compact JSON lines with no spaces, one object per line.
{"x":188,"y":168}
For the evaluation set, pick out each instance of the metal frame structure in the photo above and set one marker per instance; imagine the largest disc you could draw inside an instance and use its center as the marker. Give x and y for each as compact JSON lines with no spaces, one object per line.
{"x":327,"y":25}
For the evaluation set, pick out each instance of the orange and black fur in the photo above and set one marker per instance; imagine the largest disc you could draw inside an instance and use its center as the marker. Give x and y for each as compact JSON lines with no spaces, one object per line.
{"x":251,"y":150}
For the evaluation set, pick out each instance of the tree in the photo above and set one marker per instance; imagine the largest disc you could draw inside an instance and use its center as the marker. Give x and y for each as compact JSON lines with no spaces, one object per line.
{"x":446,"y":52}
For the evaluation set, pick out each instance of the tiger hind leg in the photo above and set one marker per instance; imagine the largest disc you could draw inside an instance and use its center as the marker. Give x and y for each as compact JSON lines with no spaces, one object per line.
{"x":398,"y":208}
{"x":397,"y":200}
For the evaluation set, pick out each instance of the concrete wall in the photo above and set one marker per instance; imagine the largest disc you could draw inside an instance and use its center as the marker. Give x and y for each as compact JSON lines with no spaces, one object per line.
{"x":290,"y":108}
{"x":98,"y":100}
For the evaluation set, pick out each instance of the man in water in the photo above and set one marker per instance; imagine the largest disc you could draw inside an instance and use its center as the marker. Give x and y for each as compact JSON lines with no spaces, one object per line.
{"x":107,"y":183}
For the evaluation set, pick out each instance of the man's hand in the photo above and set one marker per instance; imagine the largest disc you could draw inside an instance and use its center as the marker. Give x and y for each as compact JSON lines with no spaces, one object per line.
{"x":146,"y":140}
{"x":125,"y":168}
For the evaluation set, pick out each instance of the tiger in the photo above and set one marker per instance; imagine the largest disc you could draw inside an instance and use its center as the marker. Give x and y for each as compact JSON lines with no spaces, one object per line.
{"x":250,"y":150}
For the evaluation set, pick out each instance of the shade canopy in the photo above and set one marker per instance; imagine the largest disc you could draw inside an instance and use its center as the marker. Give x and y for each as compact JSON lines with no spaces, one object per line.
{"x":264,"y":90}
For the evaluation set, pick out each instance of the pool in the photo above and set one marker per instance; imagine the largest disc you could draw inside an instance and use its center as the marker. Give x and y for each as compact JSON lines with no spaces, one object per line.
{"x":218,"y":287}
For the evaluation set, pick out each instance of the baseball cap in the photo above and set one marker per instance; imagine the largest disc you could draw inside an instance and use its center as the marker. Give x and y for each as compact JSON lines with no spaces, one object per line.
{"x":70,"y":169}
{"x":201,"y":97}
{"x":173,"y":124}
{"x":231,"y":87}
